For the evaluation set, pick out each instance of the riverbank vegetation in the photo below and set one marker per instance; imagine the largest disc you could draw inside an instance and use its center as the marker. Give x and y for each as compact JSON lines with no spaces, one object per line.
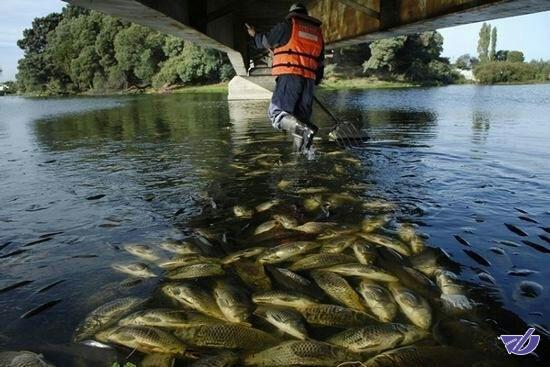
{"x":494,"y":66}
{"x":81,"y":51}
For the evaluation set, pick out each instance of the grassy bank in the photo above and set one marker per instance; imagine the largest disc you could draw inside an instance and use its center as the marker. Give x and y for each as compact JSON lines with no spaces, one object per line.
{"x":362,"y":83}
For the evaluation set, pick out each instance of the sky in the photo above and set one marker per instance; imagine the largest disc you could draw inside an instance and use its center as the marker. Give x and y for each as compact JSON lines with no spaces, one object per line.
{"x":528,"y":33}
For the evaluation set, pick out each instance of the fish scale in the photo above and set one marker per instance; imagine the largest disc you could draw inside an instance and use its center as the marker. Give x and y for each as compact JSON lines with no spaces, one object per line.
{"x":338,"y":289}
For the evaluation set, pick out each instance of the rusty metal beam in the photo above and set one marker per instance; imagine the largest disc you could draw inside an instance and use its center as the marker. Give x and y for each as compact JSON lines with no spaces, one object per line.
{"x":357,"y":5}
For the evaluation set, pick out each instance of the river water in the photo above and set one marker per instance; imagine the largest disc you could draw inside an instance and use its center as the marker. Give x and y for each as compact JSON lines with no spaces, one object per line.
{"x":81,"y":177}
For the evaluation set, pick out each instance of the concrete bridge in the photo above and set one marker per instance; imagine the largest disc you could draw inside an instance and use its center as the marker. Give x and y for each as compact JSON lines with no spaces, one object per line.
{"x":219,"y":24}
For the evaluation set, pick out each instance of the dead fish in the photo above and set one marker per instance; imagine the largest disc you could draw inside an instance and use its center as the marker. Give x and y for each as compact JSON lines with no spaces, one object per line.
{"x":285,"y":221}
{"x":232,"y":301}
{"x":363,"y":271}
{"x":544,"y":238}
{"x":509,"y":243}
{"x":243,"y":254}
{"x":369,"y":225}
{"x":321,"y":260}
{"x":408,"y":235}
{"x":527,"y":219}
{"x":283,"y":298}
{"x":105,"y":316}
{"x":228,"y":336}
{"x":286,"y":251}
{"x":224,"y":359}
{"x":267,"y":205}
{"x":196,"y":271}
{"x":383,"y":241}
{"x":335,"y":316}
{"x":339,"y":244}
{"x":292,"y":281}
{"x":23,"y":359}
{"x":284,"y":319}
{"x":195,"y":298}
{"x":377,"y":338}
{"x":516,"y":230}
{"x":521,"y":272}
{"x":142,"y":251}
{"x":416,"y":308}
{"x":166,"y":318}
{"x":379,"y":300}
{"x":338,"y":289}
{"x":462,"y":241}
{"x":301,"y":353}
{"x":313,"y":203}
{"x":423,"y":356}
{"x":49,"y":286}
{"x":181,"y":248}
{"x":477,"y":257}
{"x":379,"y":204}
{"x":364,"y":253}
{"x":266,"y":226}
{"x":312,"y":190}
{"x":242,"y":212}
{"x":15,"y":285}
{"x":145,"y":339}
{"x":314,"y":227}
{"x":95,"y":197}
{"x":452,"y":293}
{"x":185,"y":260}
{"x":253,"y":274}
{"x":139,"y":270}
{"x":283,"y":184}
{"x":43,"y":307}
{"x":536,"y":246}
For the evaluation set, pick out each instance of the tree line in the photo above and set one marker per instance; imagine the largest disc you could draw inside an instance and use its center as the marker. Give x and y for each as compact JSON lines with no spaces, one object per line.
{"x":494,"y":66}
{"x":82,"y":51}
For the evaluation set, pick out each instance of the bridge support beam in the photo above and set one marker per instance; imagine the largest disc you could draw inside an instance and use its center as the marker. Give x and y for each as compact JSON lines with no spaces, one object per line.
{"x":251,"y":88}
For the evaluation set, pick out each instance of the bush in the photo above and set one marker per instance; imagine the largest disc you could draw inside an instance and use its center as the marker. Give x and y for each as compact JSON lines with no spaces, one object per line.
{"x":505,"y":72}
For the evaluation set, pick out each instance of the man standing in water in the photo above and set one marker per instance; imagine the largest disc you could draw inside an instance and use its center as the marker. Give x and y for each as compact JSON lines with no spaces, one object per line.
{"x":298,"y":55}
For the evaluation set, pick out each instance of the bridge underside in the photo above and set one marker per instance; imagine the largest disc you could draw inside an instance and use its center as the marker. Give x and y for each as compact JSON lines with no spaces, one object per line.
{"x":219,"y":24}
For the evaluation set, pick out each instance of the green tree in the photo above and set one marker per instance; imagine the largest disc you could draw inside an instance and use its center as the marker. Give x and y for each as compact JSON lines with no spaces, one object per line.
{"x":384,"y":55}
{"x":483,"y":42}
{"x":501,"y":55}
{"x":494,"y":35}
{"x":515,"y":56}
{"x":466,"y":62}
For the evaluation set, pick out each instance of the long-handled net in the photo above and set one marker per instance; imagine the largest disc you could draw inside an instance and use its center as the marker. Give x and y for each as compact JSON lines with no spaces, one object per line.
{"x":345,"y":133}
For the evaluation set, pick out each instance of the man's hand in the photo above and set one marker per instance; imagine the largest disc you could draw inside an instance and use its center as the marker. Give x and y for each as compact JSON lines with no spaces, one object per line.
{"x":251,"y":30}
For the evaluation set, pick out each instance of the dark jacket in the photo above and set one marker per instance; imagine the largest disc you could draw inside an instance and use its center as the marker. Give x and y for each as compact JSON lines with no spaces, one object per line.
{"x":278,"y":36}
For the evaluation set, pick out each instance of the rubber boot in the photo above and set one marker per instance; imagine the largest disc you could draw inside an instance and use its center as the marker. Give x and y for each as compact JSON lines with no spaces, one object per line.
{"x":302,"y":133}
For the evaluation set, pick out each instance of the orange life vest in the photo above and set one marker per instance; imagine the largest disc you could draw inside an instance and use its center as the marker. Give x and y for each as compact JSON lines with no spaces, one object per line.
{"x":300,"y":56}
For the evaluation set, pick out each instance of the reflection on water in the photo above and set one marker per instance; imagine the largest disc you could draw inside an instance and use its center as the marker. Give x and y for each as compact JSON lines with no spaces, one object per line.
{"x":83,"y":177}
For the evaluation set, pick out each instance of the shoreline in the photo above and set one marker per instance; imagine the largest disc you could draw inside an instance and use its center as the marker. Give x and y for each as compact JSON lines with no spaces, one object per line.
{"x":352,"y":84}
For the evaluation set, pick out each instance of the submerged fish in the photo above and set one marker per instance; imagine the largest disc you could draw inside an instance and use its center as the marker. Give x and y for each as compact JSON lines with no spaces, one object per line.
{"x":313,"y":203}
{"x":183,"y":248}
{"x":157,"y":360}
{"x":292,"y":281}
{"x":266,"y":226}
{"x":105,"y":316}
{"x":377,"y":338}
{"x":224,"y":359}
{"x":364,"y":253}
{"x":301,"y":353}
{"x":338,"y":244}
{"x":372,"y":224}
{"x":243,"y":254}
{"x":379,"y":300}
{"x":452,"y":293}
{"x":23,"y":359}
{"x":379,"y":240}
{"x":242,"y":212}
{"x":314,"y":227}
{"x":335,"y":316}
{"x":285,"y":319}
{"x":312,"y":190}
{"x":408,"y":235}
{"x":234,"y":304}
{"x":417,"y":356}
{"x":195,"y":271}
{"x":267,"y":205}
{"x":229,"y":336}
{"x":286,"y":299}
{"x":144,"y":339}
{"x":321,"y":260}
{"x":142,"y":251}
{"x":139,"y":270}
{"x":285,"y":221}
{"x":167,"y":318}
{"x":416,"y":308}
{"x":253,"y":274}
{"x":286,"y":251}
{"x":363,"y":271}
{"x":186,"y":260}
{"x":338,"y":289}
{"x":195,"y":298}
